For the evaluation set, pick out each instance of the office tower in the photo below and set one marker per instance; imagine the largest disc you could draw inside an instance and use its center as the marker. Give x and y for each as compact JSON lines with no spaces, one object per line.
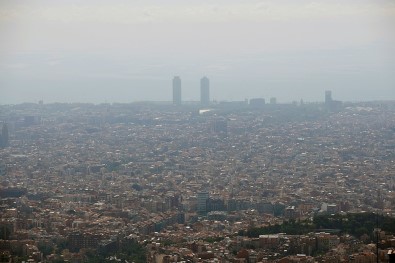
{"x":176,"y":90}
{"x":205,"y":91}
{"x":328,"y":97}
{"x":202,"y":198}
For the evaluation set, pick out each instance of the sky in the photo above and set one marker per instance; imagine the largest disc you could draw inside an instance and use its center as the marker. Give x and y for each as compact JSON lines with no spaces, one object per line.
{"x":124,"y":51}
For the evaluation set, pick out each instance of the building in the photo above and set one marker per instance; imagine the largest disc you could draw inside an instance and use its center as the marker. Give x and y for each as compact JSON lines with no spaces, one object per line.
{"x":177,"y":90}
{"x":328,"y":97}
{"x":4,"y":141}
{"x":205,"y":91}
{"x":326,"y":241}
{"x":269,"y":241}
{"x":257,"y":102}
{"x":202,"y":198}
{"x":290,"y":212}
{"x":273,"y":100}
{"x":215,"y":204}
{"x":78,"y":240}
{"x":331,"y":104}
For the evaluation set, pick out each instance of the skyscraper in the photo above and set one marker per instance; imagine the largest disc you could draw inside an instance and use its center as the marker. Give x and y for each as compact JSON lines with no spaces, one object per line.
{"x":328,"y":97}
{"x":205,"y":91}
{"x":176,"y":90}
{"x":202,"y":198}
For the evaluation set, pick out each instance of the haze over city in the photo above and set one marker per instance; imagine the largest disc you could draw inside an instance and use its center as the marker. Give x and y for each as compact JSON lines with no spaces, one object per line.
{"x":125,"y":51}
{"x":238,"y":131}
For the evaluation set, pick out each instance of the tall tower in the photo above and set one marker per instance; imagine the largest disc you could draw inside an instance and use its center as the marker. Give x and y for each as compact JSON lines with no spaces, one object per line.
{"x":202,"y":198}
{"x":328,"y":97}
{"x":205,"y":91}
{"x":176,"y":90}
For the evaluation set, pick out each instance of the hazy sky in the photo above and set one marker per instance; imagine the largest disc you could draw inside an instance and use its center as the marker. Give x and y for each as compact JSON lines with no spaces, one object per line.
{"x":124,"y":51}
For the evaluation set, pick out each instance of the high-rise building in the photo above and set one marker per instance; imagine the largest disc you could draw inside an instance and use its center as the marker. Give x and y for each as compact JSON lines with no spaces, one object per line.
{"x":205,"y":91}
{"x":202,"y":198}
{"x":176,"y":90}
{"x":328,"y":97}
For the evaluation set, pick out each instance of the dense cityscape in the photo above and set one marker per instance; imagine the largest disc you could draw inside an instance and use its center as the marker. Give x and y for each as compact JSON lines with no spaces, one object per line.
{"x":243,"y":181}
{"x":199,"y":131}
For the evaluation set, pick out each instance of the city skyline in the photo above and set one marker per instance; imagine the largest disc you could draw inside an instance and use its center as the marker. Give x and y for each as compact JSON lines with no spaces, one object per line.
{"x":251,"y":49}
{"x":242,"y":131}
{"x":204,"y":97}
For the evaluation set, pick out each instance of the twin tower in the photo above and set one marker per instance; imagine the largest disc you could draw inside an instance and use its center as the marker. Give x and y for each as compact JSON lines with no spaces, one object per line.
{"x":204,"y":91}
